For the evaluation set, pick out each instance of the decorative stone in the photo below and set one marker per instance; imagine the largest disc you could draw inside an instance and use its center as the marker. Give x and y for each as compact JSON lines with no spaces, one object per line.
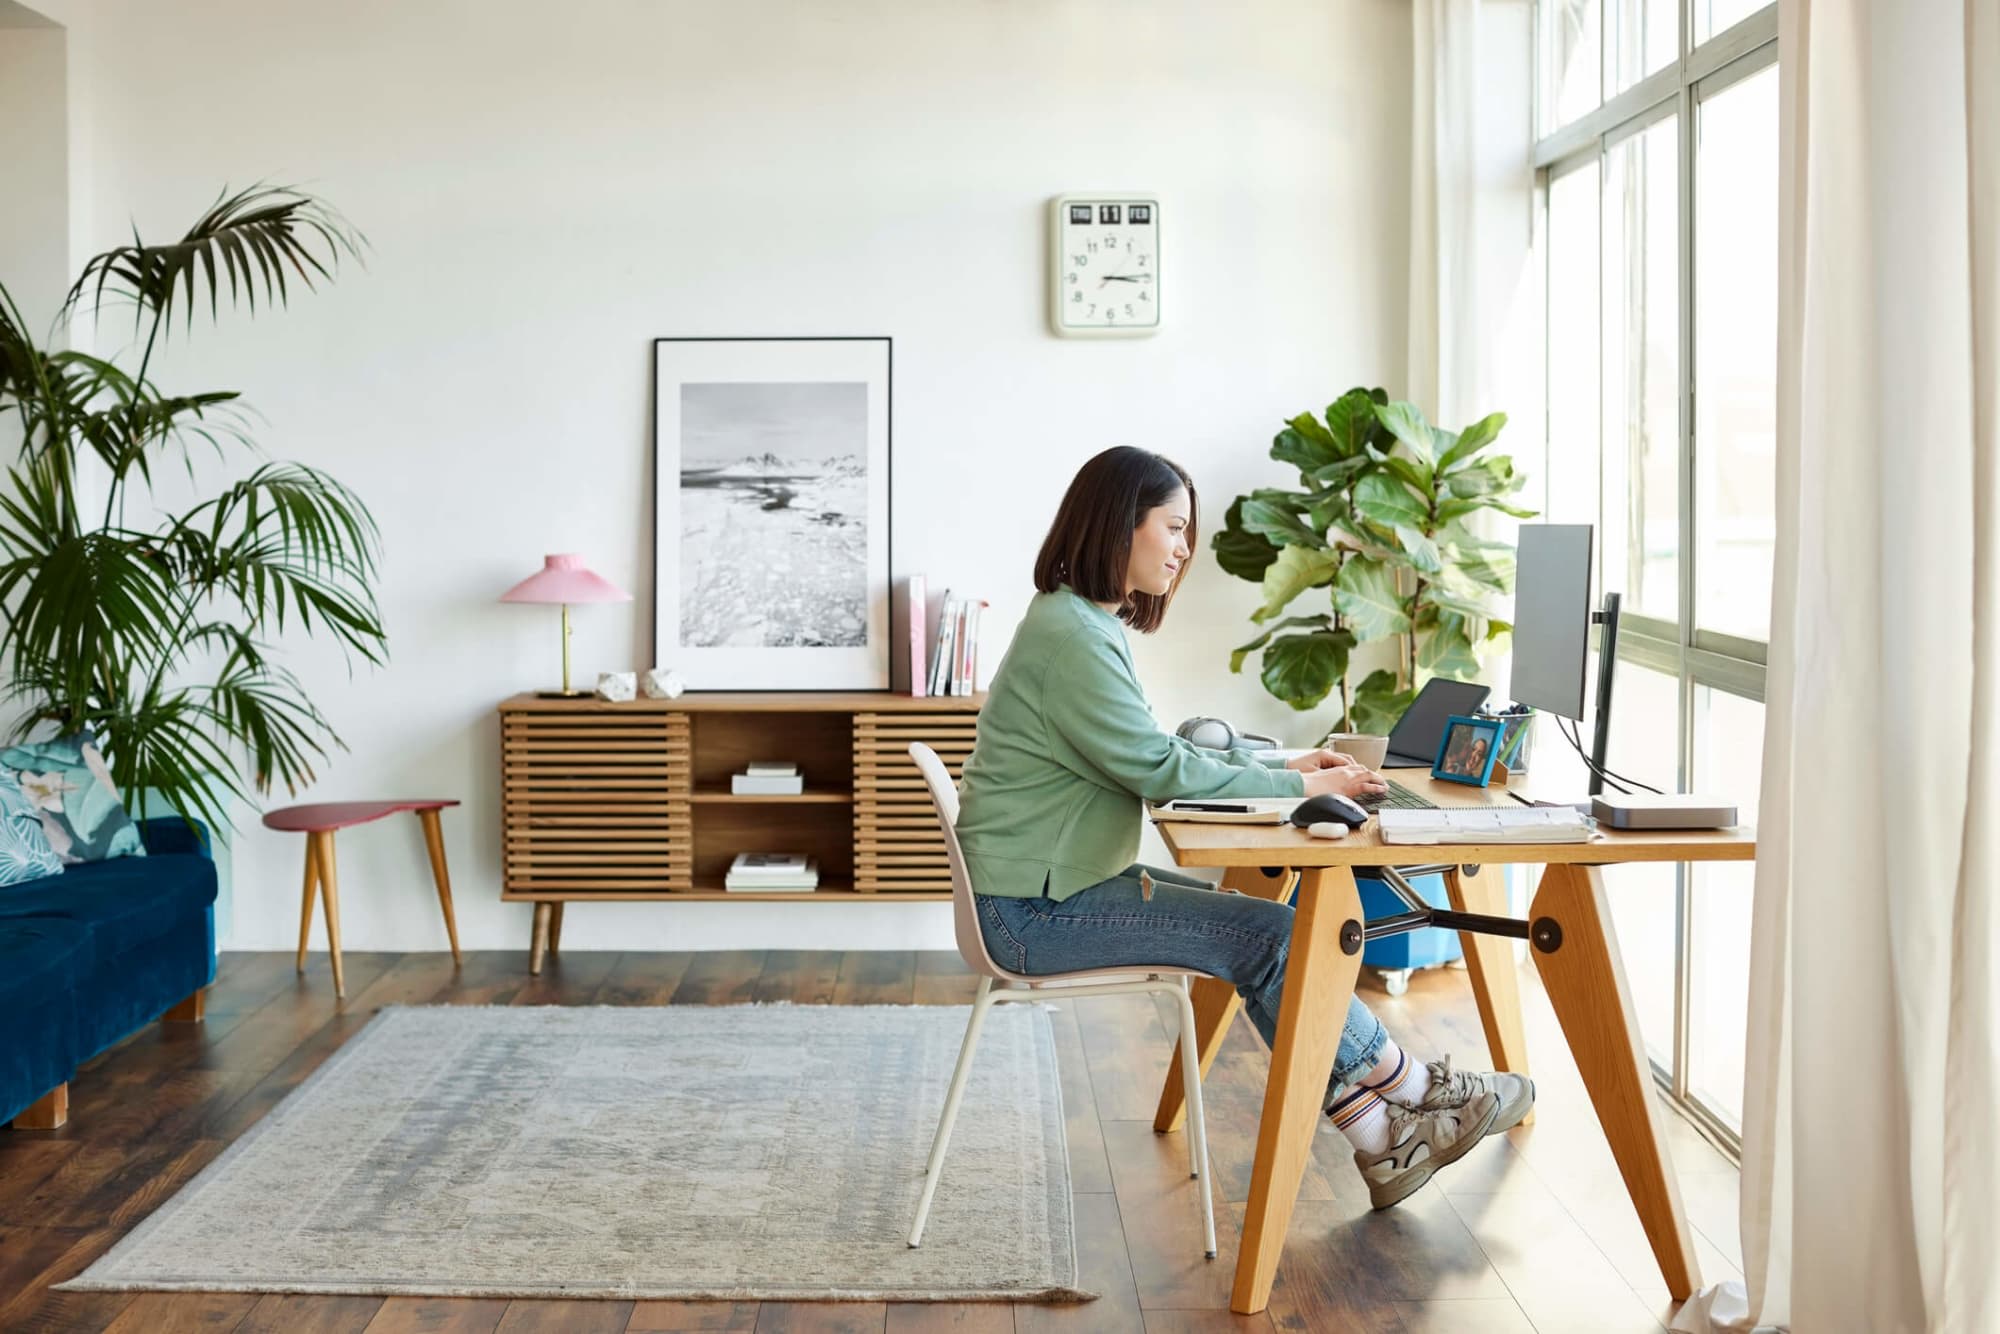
{"x":617,"y":686}
{"x":664,"y":683}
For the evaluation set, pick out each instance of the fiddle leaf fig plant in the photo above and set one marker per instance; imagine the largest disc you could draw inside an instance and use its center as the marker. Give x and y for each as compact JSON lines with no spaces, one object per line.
{"x":1374,"y":544}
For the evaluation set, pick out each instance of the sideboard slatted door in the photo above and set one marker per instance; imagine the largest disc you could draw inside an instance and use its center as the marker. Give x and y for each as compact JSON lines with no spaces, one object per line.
{"x":897,"y":843}
{"x":597,"y":803}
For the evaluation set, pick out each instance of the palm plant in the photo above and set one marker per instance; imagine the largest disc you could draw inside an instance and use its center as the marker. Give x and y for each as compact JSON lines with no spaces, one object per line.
{"x":156,"y":635}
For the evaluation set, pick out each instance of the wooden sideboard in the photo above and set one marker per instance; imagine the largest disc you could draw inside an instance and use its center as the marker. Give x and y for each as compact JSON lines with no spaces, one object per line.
{"x":607,"y":803}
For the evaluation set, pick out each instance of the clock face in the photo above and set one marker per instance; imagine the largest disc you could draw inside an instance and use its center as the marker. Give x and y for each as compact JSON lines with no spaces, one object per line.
{"x":1105,"y":262}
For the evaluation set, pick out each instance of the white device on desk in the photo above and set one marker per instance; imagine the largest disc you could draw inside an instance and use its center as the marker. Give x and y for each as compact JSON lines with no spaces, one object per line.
{"x":1671,"y":810}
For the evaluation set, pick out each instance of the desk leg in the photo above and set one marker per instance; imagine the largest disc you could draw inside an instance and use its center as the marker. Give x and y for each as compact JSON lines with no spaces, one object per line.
{"x":555,"y":926}
{"x":1490,"y":961}
{"x":1216,"y":1002}
{"x":1319,"y":980}
{"x":1576,"y":950}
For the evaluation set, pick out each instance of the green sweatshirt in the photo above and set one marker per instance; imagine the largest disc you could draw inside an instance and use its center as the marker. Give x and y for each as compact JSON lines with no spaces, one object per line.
{"x":1067,"y":749}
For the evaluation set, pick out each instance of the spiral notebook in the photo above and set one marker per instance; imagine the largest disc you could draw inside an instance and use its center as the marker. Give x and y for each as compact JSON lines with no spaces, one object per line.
{"x":1492,"y":824}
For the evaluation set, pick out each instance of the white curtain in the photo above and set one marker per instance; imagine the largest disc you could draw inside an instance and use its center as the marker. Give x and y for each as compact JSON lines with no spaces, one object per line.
{"x":1446,"y":319}
{"x":1871,"y":1187}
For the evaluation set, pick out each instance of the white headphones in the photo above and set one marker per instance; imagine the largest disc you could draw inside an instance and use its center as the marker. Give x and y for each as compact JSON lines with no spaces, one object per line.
{"x":1216,"y":734}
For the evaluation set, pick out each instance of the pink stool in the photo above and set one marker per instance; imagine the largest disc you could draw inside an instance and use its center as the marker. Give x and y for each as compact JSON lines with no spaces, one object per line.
{"x":318,"y":822}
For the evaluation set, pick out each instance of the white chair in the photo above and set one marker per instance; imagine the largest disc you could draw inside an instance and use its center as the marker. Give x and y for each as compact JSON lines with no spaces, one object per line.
{"x":996,"y":984}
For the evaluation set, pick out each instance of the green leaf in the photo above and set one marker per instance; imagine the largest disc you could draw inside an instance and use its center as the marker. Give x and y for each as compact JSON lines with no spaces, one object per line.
{"x":1243,"y":651}
{"x":1378,"y":704}
{"x":1242,"y":554}
{"x":1403,"y":421}
{"x":1302,"y":450}
{"x":1351,"y":423}
{"x":1419,"y":550}
{"x":1366,"y":594}
{"x":1382,"y":499}
{"x":1328,"y":510}
{"x":1474,"y":568}
{"x":1341,"y":473}
{"x":1472,"y":439}
{"x":1276,"y":524}
{"x":1302,"y":670}
{"x":1488,"y":477}
{"x":1294,"y":571}
{"x":1417,"y":476}
{"x":1446,"y":651}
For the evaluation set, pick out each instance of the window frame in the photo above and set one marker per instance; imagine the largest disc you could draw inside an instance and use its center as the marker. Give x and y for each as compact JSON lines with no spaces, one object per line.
{"x":1696,"y":658}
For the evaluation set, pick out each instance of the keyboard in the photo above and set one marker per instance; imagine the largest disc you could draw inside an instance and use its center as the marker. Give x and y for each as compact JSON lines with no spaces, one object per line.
{"x":1397,"y":797}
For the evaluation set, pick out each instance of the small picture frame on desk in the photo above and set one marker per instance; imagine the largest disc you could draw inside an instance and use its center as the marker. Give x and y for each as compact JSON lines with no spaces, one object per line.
{"x":1469,"y":750}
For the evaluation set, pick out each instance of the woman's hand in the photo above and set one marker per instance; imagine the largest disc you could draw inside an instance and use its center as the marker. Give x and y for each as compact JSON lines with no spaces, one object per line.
{"x":1349,"y":780}
{"x":1319,"y":759}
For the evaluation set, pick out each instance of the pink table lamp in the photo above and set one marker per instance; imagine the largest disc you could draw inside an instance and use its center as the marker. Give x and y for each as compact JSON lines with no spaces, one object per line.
{"x":563,"y":579}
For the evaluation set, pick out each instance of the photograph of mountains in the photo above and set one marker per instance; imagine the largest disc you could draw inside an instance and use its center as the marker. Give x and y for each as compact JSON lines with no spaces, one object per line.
{"x":774,"y":515}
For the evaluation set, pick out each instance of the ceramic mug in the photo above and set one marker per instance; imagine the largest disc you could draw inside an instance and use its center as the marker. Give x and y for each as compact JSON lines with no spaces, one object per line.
{"x":1366,"y":748}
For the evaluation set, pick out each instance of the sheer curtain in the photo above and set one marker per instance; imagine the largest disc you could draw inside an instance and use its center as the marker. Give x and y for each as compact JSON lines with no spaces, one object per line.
{"x":1871,"y":1188}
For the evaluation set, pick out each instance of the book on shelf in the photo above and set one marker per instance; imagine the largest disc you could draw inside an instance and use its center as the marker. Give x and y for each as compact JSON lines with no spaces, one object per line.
{"x":909,"y":618}
{"x":945,"y":609}
{"x":771,"y":863}
{"x":766,"y":785}
{"x":772,"y":871}
{"x":968,"y":658}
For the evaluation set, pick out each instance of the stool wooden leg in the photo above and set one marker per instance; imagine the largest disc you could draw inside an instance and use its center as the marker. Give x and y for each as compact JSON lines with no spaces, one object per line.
{"x":538,"y":945}
{"x":306,"y":907}
{"x":330,"y":885}
{"x":555,"y":926}
{"x":434,"y":840}
{"x":48,"y":1113}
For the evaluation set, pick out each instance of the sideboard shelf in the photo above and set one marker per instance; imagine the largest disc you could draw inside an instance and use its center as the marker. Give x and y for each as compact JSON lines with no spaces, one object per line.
{"x":629,"y":802}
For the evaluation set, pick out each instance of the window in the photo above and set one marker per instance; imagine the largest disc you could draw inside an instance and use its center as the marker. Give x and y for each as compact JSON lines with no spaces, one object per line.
{"x":1659,"y":166}
{"x":1736,"y":354}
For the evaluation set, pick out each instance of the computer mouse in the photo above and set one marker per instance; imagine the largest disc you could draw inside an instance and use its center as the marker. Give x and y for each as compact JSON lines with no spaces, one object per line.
{"x":1329,"y":806}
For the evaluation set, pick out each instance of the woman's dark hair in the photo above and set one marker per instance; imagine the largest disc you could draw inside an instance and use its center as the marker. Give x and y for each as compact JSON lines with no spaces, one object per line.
{"x":1089,"y":546}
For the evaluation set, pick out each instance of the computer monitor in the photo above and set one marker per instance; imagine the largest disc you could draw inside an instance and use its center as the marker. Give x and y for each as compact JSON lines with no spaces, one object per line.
{"x":1552,"y":618}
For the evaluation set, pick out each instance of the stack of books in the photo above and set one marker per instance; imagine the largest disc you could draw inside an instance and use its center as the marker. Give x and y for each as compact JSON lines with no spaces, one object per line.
{"x":768,"y":778}
{"x":936,"y":639}
{"x":768,"y":871}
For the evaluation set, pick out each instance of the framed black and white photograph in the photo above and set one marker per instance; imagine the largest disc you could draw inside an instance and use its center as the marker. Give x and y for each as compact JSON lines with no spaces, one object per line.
{"x":771,"y":532}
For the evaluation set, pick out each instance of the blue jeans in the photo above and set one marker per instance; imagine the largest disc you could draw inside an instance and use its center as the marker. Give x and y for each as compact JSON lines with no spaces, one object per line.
{"x":1188,"y":923}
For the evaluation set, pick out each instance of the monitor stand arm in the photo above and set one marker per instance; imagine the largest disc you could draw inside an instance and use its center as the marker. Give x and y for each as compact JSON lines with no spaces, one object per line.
{"x":1607,"y":663}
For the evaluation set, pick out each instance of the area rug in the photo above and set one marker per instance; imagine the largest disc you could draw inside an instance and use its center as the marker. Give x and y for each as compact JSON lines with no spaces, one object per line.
{"x":742,"y":1152}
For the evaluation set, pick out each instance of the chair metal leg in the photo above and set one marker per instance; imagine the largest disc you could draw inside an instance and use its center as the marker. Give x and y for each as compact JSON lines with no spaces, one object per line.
{"x":980,"y":1004}
{"x":1197,"y":1118}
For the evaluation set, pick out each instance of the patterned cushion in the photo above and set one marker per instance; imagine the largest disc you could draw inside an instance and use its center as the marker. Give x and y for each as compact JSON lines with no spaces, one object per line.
{"x":71,"y":789}
{"x":25,"y":853}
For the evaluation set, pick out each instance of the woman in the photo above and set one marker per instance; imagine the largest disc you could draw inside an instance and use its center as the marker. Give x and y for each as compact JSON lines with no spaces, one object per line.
{"x":1050,"y":814}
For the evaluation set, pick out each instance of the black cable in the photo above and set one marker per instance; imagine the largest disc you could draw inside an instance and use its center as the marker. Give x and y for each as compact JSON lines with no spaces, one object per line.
{"x":1610,"y":776}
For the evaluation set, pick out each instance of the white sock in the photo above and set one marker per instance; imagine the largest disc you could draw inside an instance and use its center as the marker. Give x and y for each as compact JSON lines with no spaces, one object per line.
{"x":1398,"y":1077}
{"x":1363,"y":1117}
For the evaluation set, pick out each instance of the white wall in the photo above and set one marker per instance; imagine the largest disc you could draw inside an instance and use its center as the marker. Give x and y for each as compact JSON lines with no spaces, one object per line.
{"x":34,"y":222}
{"x":548,"y":190}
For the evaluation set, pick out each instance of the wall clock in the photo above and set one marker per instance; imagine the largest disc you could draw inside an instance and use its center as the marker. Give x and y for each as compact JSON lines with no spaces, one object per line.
{"x":1104,"y":265}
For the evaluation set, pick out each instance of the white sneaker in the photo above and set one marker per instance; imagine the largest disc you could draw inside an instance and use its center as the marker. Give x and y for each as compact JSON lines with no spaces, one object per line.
{"x":1456,"y":1088}
{"x":1421,"y":1140}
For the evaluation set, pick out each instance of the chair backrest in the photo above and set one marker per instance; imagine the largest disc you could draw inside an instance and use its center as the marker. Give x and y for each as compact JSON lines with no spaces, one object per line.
{"x":964,"y":909}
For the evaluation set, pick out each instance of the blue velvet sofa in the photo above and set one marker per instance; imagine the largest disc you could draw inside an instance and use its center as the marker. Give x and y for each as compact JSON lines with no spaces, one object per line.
{"x":95,"y":953}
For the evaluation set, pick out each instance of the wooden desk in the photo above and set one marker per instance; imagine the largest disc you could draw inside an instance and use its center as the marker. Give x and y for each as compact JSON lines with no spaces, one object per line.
{"x":1573,"y":945}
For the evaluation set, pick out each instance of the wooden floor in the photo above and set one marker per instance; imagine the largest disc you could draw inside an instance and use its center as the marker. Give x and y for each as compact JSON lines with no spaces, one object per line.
{"x":1529,"y":1232}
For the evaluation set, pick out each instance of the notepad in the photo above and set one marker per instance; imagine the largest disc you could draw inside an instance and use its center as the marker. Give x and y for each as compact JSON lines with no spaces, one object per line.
{"x":1499,"y":824}
{"x":1240,"y":810}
